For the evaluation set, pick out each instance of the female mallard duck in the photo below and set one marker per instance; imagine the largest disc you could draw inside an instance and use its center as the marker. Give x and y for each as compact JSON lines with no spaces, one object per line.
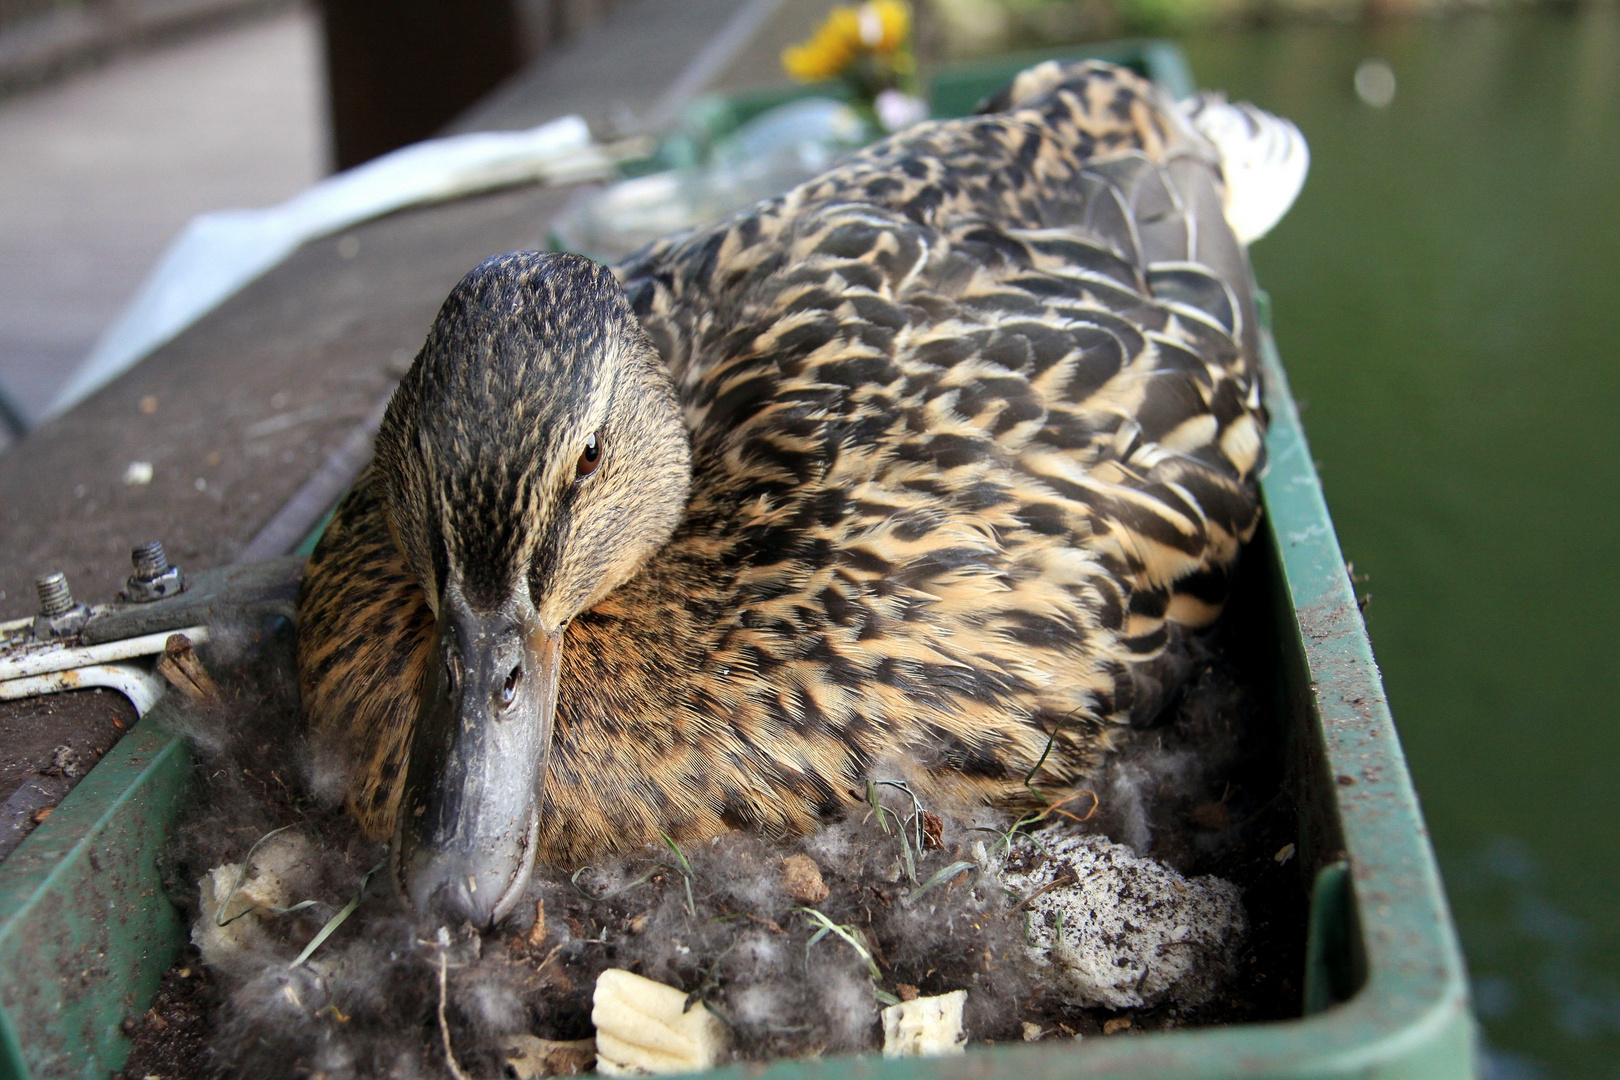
{"x":925,"y":468}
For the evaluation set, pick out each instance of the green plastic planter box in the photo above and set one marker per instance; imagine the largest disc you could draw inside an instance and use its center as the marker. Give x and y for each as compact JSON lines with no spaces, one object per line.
{"x":86,"y":931}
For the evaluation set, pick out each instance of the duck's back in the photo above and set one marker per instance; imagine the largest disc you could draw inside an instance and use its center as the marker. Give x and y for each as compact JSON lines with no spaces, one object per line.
{"x":976,"y":426}
{"x":978,"y":414}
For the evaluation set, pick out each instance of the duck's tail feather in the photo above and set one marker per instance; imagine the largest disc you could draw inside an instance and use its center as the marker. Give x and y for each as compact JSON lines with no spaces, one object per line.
{"x":1264,"y":160}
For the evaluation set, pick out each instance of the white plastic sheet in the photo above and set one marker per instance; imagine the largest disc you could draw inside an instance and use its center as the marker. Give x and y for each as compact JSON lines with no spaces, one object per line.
{"x":217,"y":254}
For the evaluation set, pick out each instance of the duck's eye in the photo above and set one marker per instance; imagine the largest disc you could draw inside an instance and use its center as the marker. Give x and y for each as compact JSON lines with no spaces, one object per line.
{"x":589,"y":458}
{"x":509,"y":688}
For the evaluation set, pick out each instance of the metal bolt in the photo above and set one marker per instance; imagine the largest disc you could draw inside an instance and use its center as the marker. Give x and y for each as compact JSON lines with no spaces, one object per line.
{"x":154,"y":578}
{"x":59,"y":615}
{"x":55,"y":598}
{"x":150,"y":559}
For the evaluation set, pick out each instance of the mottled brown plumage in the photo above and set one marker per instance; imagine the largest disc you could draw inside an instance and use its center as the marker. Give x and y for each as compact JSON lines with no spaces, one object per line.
{"x":974,"y":428}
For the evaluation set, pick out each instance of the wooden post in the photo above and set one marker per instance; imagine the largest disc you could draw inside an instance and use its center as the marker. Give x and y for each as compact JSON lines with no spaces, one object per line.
{"x":398,"y":70}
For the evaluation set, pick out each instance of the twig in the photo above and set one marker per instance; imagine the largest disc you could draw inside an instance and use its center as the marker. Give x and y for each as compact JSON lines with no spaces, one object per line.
{"x":180,"y":666}
{"x":1065,"y":876}
{"x":444,"y":1025}
{"x":552,"y":955}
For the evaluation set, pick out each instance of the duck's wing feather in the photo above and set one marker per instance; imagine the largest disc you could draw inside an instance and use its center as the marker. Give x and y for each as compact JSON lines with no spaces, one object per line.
{"x":976,"y":429}
{"x":1050,"y":293}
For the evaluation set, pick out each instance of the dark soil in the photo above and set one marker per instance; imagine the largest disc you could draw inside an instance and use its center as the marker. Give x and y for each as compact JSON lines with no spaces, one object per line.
{"x":47,"y":744}
{"x":171,"y":1037}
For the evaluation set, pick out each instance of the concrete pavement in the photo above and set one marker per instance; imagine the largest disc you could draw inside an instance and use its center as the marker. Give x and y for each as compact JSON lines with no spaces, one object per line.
{"x":98,"y":173}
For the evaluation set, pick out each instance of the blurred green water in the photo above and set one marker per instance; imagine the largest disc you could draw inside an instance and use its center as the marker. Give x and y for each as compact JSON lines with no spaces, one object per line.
{"x":1447,"y":296}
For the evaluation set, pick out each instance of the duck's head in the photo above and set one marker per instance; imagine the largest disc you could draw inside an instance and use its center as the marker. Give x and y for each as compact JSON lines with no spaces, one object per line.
{"x":531,"y":461}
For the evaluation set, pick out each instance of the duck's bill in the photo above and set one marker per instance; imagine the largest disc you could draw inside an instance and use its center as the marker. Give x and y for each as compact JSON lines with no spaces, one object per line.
{"x":469,"y":820}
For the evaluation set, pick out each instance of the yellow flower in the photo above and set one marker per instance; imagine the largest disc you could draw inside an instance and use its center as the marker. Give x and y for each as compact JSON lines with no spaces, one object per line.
{"x":878,"y":26}
{"x":829,"y":52}
{"x":885,"y":24}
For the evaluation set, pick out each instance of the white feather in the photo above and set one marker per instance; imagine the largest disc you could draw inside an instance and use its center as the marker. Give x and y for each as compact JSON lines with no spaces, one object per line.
{"x":1264,"y":160}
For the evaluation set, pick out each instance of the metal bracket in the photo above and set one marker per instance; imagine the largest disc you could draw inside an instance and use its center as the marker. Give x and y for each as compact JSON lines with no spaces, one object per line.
{"x":112,"y":641}
{"x":50,"y":667}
